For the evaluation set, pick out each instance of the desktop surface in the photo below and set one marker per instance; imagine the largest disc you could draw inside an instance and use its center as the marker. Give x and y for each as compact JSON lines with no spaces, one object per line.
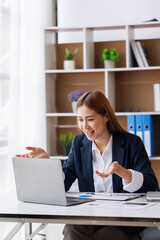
{"x":14,"y":210}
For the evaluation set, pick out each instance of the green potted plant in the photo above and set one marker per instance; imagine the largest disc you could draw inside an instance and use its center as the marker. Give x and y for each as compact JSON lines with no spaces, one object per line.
{"x":109,"y":56}
{"x":69,"y":63}
{"x":66,"y":142}
{"x":73,"y":97}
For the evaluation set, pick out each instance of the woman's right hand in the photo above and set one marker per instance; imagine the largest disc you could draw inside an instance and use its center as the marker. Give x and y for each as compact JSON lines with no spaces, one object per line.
{"x":35,"y":153}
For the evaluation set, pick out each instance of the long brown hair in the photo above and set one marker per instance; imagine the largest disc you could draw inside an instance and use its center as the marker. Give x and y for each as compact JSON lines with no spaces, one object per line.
{"x":98,"y":102}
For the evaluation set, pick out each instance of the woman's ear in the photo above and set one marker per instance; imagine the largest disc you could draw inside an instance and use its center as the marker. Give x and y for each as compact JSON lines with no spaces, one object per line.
{"x":107,"y":118}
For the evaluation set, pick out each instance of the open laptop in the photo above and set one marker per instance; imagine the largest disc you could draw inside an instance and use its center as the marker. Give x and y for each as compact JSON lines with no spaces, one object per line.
{"x":40,"y":180}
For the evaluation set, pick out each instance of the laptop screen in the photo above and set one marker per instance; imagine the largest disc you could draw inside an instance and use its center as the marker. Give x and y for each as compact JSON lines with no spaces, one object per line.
{"x":39,"y":180}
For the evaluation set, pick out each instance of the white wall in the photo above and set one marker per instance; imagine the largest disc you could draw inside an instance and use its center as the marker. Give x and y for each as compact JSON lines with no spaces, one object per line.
{"x":106,"y":12}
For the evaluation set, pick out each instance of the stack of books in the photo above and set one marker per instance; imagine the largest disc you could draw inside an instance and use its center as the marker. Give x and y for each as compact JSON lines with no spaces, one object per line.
{"x":140,"y":53}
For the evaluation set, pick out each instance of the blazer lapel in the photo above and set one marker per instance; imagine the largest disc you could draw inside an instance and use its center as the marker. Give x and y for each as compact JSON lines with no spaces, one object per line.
{"x":86,"y":153}
{"x":117,"y":155}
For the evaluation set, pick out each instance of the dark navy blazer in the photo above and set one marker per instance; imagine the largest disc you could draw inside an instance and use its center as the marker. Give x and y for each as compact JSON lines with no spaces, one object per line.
{"x":128,"y":150}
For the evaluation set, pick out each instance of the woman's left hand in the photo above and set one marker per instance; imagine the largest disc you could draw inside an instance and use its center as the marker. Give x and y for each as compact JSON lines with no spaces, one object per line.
{"x":117,"y":169}
{"x":110,"y":170}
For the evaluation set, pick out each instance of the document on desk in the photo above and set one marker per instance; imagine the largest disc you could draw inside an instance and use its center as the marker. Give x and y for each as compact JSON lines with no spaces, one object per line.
{"x":111,"y":196}
{"x":117,"y":204}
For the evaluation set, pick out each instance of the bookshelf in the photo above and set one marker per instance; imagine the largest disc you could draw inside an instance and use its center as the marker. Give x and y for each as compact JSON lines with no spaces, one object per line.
{"x":128,"y":87}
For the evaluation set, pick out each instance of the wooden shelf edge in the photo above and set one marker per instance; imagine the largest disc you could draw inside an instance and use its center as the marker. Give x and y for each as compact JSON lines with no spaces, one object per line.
{"x":123,"y":69}
{"x":109,"y":27}
{"x":61,"y":114}
{"x":155,"y":158}
{"x":136,"y":113}
{"x":117,"y":114}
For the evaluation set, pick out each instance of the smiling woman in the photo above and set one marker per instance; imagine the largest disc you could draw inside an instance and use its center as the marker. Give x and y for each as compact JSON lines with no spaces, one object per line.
{"x":104,"y":158}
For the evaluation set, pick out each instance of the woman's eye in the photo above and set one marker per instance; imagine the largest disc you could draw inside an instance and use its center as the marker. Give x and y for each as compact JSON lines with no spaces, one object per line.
{"x":80,"y":120}
{"x":90,"y":119}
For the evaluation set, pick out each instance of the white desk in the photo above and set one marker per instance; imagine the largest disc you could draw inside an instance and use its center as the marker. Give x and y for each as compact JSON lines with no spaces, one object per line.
{"x":12,"y":210}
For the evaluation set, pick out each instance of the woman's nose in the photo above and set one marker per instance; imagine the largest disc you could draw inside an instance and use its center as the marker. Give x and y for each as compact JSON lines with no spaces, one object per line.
{"x":85,"y":124}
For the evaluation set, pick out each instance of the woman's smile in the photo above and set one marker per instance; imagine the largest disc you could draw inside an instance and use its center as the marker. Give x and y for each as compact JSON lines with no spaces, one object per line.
{"x":89,"y":134}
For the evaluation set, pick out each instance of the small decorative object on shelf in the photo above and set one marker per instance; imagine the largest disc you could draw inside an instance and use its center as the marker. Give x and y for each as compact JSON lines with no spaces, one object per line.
{"x":66,"y":142}
{"x":69,"y":63}
{"x":109,"y":56}
{"x":73,"y":97}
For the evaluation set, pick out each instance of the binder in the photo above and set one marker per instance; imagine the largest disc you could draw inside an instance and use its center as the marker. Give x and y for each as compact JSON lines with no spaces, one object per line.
{"x":148,"y":134}
{"x":131,"y":126}
{"x":139,"y":126}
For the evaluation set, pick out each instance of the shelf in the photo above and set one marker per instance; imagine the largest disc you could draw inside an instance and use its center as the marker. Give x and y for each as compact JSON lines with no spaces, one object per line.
{"x":128,"y":87}
{"x":112,"y":27}
{"x":134,"y":69}
{"x":60,"y":71}
{"x":76,"y":70}
{"x":155,"y":158}
{"x":117,"y":114}
{"x":64,"y":29}
{"x":136,"y":113}
{"x":75,"y":29}
{"x":67,"y":126}
{"x":145,"y":25}
{"x":61,"y":115}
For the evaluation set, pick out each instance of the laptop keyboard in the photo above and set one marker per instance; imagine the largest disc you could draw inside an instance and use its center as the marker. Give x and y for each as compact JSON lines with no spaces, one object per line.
{"x":75,"y":200}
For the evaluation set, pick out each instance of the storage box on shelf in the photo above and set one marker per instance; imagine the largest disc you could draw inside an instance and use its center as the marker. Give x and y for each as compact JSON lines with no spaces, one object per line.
{"x":129,"y":88}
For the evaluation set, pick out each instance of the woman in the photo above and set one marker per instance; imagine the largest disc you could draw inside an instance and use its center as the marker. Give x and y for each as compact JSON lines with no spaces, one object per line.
{"x":104,"y":158}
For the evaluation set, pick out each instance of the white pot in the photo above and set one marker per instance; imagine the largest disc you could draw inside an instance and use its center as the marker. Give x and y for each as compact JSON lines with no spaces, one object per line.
{"x":69,"y":64}
{"x":74,"y":103}
{"x":109,"y":63}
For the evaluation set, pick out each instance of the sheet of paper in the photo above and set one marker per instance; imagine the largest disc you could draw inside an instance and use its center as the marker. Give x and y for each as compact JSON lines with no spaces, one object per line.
{"x":116,"y":204}
{"x":111,"y":196}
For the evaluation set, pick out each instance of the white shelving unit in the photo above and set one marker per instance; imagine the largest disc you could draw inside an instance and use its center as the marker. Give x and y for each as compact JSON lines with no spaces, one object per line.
{"x":127,"y":87}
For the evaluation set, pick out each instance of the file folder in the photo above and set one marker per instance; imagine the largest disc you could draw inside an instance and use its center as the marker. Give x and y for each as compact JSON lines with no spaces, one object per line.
{"x":148,"y":134}
{"x":139,"y":126}
{"x":131,"y":124}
